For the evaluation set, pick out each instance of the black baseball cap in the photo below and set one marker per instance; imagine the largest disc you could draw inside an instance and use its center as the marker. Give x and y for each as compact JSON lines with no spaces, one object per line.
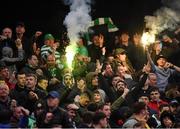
{"x":161,"y":56}
{"x":21,"y":24}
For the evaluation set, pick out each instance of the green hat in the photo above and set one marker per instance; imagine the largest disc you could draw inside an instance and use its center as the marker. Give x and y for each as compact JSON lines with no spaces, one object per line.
{"x":48,"y":37}
{"x":119,"y":51}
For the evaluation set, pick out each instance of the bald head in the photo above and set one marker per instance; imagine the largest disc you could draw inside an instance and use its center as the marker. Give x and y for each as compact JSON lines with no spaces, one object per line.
{"x":4,"y":90}
{"x":51,"y":60}
{"x":7,"y":32}
{"x":152,"y":79}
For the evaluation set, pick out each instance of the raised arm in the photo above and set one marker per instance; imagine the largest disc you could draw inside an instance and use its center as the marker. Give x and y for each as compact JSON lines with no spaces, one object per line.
{"x":149,"y":57}
{"x":150,"y":61}
{"x":120,"y":100}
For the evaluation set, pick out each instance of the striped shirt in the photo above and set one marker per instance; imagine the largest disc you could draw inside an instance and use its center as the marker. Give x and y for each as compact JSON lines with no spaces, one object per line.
{"x":47,"y":50}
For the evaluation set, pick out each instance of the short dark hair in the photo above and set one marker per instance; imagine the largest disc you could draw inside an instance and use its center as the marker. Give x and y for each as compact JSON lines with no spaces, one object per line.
{"x":123,"y":32}
{"x":30,"y":56}
{"x":143,"y":95}
{"x":101,"y":105}
{"x":98,"y":116}
{"x":166,"y":114}
{"x":154,"y":89}
{"x":93,"y":107}
{"x":20,"y":23}
{"x":138,"y":106}
{"x":88,"y":117}
{"x":31,"y":75}
{"x":122,"y":82}
{"x":115,"y":75}
{"x":80,"y":78}
{"x":19,"y":73}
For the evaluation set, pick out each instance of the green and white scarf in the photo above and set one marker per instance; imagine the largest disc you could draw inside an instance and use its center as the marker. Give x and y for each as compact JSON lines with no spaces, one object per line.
{"x":106,"y":20}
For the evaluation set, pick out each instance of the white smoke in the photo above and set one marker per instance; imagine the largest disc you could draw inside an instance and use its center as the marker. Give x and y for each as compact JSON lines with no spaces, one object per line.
{"x":173,"y":4}
{"x":164,"y":18}
{"x":78,"y":19}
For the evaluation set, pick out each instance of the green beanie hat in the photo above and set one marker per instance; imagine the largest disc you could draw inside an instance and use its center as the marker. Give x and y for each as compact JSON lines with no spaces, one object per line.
{"x":119,"y":51}
{"x":48,"y":37}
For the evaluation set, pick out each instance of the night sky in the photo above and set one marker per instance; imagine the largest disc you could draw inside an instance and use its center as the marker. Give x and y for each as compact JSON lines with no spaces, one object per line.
{"x":48,"y":16}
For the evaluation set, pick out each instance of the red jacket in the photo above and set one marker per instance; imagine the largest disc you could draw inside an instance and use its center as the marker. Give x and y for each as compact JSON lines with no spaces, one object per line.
{"x":155,"y":104}
{"x":10,"y":85}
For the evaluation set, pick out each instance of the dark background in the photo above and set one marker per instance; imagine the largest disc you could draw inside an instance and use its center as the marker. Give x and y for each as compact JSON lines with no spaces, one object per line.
{"x":48,"y":16}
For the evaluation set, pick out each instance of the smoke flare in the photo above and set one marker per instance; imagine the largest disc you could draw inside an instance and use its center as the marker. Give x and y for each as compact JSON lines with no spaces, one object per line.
{"x":77,"y":21}
{"x":165,"y":18}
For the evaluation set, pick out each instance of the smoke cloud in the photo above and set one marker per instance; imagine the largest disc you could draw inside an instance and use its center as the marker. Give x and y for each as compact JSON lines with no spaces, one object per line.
{"x":167,"y":17}
{"x":173,"y":4}
{"x":78,"y":19}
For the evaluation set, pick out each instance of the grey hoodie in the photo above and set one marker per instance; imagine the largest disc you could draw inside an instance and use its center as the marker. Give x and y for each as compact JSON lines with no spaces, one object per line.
{"x":7,"y":57}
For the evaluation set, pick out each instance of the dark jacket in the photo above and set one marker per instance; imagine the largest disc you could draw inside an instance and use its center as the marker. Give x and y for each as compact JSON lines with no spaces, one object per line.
{"x":29,"y":103}
{"x":139,"y":56}
{"x":28,"y":69}
{"x":128,"y":49}
{"x":95,"y":52}
{"x":60,"y":117}
{"x":27,"y":47}
{"x":18,"y":94}
{"x":133,"y":94}
{"x":137,"y":87}
{"x":5,"y":112}
{"x":52,"y":72}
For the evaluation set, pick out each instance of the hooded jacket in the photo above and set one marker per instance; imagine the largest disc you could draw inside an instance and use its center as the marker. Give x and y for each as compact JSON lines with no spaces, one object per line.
{"x":89,"y":78}
{"x":7,"y":57}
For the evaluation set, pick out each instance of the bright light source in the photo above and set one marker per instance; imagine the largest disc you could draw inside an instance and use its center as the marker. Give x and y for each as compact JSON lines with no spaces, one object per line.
{"x":147,"y":38}
{"x":71,"y":50}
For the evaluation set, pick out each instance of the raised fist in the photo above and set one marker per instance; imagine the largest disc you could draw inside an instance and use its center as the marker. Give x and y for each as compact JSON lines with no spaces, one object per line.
{"x":38,"y":33}
{"x":18,"y":43}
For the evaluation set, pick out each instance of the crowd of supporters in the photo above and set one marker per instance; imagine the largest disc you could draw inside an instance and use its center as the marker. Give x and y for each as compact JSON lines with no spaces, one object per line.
{"x":112,"y":83}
